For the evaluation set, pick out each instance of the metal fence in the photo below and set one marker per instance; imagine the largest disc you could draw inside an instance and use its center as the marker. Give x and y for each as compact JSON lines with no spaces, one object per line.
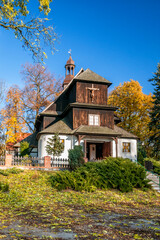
{"x":28,"y":161}
{"x":60,"y":162}
{"x":2,"y":160}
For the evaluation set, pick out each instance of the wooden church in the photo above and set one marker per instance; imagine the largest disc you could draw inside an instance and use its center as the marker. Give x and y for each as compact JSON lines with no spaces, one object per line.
{"x":81,"y":115}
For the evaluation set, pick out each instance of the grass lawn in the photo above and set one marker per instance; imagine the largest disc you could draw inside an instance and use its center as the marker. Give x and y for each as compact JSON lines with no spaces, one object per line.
{"x":32,"y":209}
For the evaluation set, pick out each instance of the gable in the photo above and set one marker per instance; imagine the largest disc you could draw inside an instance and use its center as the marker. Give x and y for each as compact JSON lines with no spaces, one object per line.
{"x":91,"y":76}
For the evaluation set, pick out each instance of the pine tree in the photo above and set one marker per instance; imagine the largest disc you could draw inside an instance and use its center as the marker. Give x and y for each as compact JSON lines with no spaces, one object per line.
{"x":54,"y":145}
{"x":155,"y":114}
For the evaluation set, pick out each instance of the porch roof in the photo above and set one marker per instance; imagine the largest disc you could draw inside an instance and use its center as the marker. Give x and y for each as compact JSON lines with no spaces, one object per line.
{"x":96,"y":130}
{"x":124,"y":133}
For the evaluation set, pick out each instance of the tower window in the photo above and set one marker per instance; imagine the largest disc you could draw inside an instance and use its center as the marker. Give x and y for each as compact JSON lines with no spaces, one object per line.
{"x":94,"y":119}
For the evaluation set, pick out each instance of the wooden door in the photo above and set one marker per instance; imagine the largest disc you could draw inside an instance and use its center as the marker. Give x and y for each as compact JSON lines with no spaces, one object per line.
{"x":92,"y":152}
{"x":106,"y":149}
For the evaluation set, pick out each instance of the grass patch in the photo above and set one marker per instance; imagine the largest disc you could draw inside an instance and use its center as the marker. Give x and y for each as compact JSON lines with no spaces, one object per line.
{"x":4,"y":187}
{"x":31,"y":201}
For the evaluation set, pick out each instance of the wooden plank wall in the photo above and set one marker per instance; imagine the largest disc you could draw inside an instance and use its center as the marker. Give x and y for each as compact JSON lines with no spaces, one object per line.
{"x":68,"y":97}
{"x":83,"y":94}
{"x":47,"y":121}
{"x":80,"y":117}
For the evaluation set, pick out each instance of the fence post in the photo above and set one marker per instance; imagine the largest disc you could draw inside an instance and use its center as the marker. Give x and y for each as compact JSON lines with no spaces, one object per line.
{"x":8,"y":160}
{"x":47,"y":162}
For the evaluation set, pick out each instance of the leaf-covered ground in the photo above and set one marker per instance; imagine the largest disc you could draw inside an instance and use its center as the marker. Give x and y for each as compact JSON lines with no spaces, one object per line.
{"x":32,"y":209}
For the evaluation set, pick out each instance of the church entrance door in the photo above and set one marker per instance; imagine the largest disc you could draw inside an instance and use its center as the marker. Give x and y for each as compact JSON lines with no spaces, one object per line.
{"x":92,"y":152}
{"x":106,"y":149}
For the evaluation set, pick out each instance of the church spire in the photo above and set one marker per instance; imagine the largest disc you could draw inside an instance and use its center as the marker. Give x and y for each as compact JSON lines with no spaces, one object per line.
{"x":69,"y":70}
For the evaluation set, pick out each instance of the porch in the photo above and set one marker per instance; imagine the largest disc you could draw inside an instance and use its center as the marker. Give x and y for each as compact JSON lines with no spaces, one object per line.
{"x":97,"y":148}
{"x":99,"y":142}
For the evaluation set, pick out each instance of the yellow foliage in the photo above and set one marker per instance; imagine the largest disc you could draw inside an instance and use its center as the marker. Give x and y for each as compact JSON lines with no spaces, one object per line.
{"x":13,"y":121}
{"x":133,"y":108}
{"x":13,"y":8}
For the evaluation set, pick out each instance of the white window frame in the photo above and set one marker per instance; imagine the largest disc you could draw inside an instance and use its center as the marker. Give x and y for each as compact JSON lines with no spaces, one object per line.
{"x":94,"y":120}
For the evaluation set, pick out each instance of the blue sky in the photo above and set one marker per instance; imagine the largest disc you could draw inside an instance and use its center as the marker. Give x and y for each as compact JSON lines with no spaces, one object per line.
{"x":117,"y":39}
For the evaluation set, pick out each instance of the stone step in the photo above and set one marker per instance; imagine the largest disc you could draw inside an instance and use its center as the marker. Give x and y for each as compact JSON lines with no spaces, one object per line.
{"x":154,"y":181}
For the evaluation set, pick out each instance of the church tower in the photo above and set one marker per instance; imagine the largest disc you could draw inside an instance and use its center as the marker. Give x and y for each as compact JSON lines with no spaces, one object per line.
{"x":69,"y":71}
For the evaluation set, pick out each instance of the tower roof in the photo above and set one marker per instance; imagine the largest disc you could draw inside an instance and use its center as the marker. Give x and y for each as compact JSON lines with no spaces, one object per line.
{"x":70,"y":61}
{"x":91,"y":76}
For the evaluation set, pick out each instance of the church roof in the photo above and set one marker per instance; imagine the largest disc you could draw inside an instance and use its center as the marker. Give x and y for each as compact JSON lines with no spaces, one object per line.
{"x":61,"y":127}
{"x":31,"y":139}
{"x":124,"y":133}
{"x":96,"y":130}
{"x":50,"y":113}
{"x":91,"y":76}
{"x":70,"y":61}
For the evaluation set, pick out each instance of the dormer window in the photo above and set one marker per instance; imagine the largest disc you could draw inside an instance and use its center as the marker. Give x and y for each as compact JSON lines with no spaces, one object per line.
{"x":94,"y":119}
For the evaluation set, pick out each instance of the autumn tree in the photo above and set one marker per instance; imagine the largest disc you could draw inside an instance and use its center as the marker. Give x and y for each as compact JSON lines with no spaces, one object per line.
{"x":133,"y":108}
{"x":40,"y":90}
{"x":12,"y":113}
{"x":155,"y":114}
{"x":33,"y":32}
{"x":2,"y":90}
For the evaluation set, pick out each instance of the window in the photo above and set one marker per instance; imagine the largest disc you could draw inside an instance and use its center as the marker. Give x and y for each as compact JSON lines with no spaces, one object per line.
{"x":126,"y":147}
{"x":94,"y":119}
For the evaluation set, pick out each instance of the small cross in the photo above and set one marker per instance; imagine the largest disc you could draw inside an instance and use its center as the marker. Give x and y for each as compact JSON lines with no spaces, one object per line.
{"x":92,"y":89}
{"x":70,"y":52}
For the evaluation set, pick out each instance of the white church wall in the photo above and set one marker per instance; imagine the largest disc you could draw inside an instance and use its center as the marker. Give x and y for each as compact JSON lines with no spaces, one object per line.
{"x":113,"y":149}
{"x":133,"y":148}
{"x":42,"y":142}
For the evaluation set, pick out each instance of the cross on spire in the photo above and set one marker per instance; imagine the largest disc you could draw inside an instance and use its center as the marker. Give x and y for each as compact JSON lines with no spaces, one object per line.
{"x":70,"y":52}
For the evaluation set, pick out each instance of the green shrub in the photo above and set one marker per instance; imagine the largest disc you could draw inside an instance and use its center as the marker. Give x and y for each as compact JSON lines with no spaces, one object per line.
{"x":14,"y":170}
{"x":4,"y":187}
{"x":76,"y":157}
{"x":10,"y":170}
{"x":156,"y":165}
{"x":24,"y":148}
{"x":4,"y":172}
{"x":117,"y":173}
{"x":140,"y":158}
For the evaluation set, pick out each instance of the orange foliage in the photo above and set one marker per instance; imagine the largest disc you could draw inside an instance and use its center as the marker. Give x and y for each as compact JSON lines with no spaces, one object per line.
{"x":13,"y":122}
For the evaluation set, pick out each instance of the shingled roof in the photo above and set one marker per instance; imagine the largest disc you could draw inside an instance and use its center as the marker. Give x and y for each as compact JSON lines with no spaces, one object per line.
{"x":96,"y":130}
{"x":89,"y":75}
{"x":61,"y":126}
{"x":31,"y":139}
{"x":124,"y":133}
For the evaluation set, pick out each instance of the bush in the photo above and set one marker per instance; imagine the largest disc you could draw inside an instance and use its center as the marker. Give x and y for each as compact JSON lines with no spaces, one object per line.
{"x":4,"y":187}
{"x":156,"y":165}
{"x":140,"y":158}
{"x":76,"y":157}
{"x":10,"y":170}
{"x":117,"y":173}
{"x":24,"y":148}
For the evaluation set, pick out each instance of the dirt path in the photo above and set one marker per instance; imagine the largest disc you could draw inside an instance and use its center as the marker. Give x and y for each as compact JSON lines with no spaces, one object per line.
{"x":108,"y":225}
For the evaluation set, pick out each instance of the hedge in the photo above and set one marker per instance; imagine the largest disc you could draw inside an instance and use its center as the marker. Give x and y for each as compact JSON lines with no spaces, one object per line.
{"x":116,"y":173}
